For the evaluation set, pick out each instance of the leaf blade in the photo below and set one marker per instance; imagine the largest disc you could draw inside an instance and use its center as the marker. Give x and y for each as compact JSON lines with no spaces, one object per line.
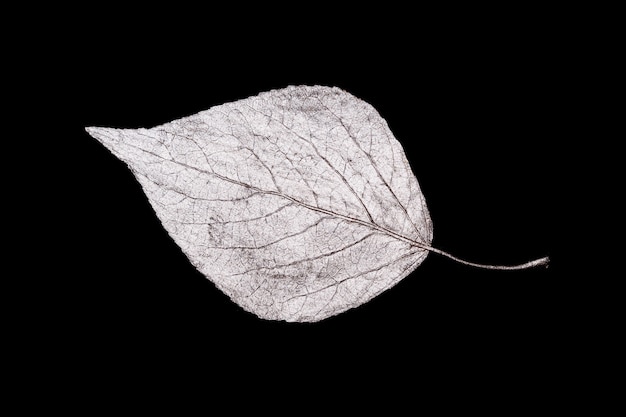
{"x":275,"y":199}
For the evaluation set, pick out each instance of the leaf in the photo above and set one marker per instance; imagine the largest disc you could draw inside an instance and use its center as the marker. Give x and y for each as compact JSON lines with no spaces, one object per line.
{"x":298,"y":203}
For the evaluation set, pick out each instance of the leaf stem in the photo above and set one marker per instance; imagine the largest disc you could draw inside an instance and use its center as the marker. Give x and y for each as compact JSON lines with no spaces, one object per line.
{"x":531,"y":264}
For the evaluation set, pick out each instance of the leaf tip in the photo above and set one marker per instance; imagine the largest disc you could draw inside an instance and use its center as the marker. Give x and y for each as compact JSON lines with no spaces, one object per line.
{"x":104,"y":135}
{"x":93,"y":131}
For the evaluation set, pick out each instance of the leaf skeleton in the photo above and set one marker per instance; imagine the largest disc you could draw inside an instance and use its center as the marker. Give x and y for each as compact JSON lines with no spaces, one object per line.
{"x":298,"y":203}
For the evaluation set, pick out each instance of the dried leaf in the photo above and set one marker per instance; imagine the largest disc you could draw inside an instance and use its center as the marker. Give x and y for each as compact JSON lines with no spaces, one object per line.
{"x":298,"y":203}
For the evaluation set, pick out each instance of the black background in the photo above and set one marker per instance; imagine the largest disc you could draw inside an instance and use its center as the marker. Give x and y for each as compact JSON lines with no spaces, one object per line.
{"x":476,"y":102}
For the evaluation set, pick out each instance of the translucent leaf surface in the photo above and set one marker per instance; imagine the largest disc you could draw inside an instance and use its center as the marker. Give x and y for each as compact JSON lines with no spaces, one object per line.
{"x":298,"y":203}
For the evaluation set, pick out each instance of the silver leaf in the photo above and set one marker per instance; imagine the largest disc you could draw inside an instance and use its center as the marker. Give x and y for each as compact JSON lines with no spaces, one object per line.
{"x":298,"y":203}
